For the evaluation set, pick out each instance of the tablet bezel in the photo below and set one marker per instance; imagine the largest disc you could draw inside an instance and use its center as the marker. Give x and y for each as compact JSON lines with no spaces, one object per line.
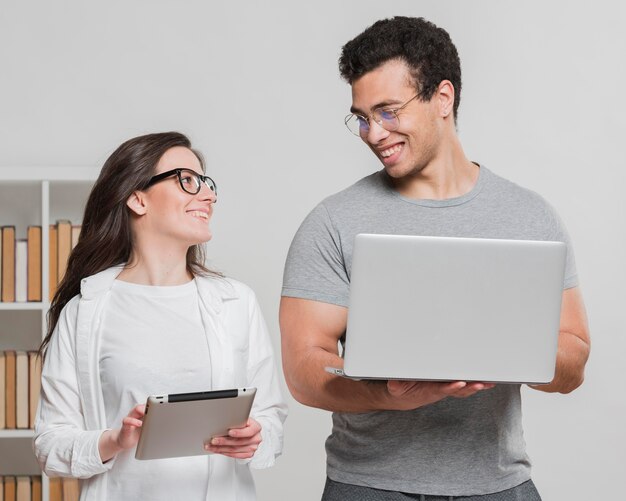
{"x":179,"y":424}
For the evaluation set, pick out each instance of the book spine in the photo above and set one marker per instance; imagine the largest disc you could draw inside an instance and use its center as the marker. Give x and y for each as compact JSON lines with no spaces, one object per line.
{"x":75,"y":234}
{"x":71,"y":489}
{"x":10,"y":493}
{"x":10,"y":389}
{"x":64,"y":247}
{"x":1,"y":266}
{"x":36,"y":489}
{"x":34,"y":383}
{"x":56,"y":489}
{"x":21,"y":390}
{"x":23,"y":490}
{"x":3,"y":423}
{"x":21,"y":270}
{"x":54,"y":272}
{"x":8,"y":264}
{"x":34,"y":263}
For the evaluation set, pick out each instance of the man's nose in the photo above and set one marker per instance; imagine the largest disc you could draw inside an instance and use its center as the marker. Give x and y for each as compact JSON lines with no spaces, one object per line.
{"x":376,"y":133}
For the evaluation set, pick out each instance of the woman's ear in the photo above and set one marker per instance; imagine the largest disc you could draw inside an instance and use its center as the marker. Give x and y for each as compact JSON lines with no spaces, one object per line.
{"x":137,"y":203}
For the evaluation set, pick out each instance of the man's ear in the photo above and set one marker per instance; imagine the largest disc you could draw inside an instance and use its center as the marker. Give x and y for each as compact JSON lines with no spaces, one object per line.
{"x":446,"y":98}
{"x":137,"y":203}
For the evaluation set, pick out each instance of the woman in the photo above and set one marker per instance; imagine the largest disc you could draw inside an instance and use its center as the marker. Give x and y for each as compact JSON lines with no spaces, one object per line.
{"x":137,"y":314}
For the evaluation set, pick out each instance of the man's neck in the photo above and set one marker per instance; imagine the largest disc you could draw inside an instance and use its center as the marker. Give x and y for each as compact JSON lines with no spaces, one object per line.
{"x":449,"y":175}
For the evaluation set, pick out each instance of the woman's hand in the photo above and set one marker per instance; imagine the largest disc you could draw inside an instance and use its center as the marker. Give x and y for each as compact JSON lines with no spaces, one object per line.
{"x":113,"y":441}
{"x":241,"y":443}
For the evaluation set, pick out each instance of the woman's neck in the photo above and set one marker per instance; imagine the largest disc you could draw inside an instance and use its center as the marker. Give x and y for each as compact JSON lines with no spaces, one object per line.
{"x":156,"y":268}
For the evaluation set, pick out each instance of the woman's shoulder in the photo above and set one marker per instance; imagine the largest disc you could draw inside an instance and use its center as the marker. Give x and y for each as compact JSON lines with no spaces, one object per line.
{"x":70,"y":310}
{"x":226,"y":287}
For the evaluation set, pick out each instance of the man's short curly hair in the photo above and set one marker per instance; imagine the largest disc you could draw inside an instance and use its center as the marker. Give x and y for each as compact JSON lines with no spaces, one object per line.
{"x":425,"y":48}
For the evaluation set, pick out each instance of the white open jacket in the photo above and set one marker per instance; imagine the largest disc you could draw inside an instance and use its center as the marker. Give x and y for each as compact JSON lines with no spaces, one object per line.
{"x":71,"y":415}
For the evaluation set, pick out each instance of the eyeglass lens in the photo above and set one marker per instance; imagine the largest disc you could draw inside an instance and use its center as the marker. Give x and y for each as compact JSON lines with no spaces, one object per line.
{"x":360,"y":126}
{"x":191,"y":182}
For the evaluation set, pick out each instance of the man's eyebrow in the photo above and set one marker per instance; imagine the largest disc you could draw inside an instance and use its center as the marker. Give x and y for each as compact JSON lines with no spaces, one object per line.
{"x":383,"y":104}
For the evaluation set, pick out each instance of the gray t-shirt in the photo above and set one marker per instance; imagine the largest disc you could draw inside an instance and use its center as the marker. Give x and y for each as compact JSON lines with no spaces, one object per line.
{"x":454,"y":447}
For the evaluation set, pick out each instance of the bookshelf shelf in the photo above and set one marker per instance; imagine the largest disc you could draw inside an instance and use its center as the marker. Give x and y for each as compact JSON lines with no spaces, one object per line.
{"x":38,"y":196}
{"x":38,"y":174}
{"x":17,"y":433}
{"x":24,"y":306}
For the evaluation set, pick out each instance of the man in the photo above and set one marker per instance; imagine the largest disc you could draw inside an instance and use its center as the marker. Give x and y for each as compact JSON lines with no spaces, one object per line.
{"x":401,"y":439}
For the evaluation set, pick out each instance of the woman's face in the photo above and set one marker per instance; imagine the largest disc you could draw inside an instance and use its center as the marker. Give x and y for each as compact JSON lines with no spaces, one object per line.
{"x":172,"y":213}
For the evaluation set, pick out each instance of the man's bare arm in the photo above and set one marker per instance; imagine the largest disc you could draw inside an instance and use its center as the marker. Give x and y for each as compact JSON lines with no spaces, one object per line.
{"x":310,"y":331}
{"x":574,"y":345}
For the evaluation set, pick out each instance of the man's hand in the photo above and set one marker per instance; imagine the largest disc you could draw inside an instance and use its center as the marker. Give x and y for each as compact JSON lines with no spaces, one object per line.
{"x":574,"y":345}
{"x":310,"y":332}
{"x":407,"y":395}
{"x":241,"y":443}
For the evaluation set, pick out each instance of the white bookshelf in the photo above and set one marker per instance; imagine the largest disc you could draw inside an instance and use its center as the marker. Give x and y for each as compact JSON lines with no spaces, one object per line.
{"x":34,"y":196}
{"x":16,"y":433}
{"x":23,"y":306}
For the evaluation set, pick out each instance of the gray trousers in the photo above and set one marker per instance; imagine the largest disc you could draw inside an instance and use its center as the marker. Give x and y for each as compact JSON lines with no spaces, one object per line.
{"x":336,"y":491}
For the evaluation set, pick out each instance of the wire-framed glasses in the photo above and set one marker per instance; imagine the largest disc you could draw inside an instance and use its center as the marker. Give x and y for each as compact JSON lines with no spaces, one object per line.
{"x":387,"y":118}
{"x":190,"y":181}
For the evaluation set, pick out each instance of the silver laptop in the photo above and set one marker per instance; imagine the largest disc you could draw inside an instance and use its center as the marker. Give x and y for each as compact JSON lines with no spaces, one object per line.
{"x":468,"y":309}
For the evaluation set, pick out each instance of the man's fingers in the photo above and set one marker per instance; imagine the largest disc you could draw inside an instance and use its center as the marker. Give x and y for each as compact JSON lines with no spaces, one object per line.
{"x":472,"y":389}
{"x":453,"y":387}
{"x":396,"y":387}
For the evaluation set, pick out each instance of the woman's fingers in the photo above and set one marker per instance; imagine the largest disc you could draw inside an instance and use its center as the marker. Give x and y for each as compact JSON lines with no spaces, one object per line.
{"x":251,"y":429}
{"x":131,"y":421}
{"x":241,"y":443}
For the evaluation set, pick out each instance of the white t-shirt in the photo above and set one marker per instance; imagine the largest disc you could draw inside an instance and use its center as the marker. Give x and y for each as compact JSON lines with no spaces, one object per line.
{"x":153,"y":343}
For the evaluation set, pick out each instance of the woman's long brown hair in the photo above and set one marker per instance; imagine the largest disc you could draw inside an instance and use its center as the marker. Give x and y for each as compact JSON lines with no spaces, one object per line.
{"x":105,"y":238}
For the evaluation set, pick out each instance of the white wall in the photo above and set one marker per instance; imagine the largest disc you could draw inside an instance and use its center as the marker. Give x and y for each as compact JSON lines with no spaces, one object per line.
{"x":255,"y":85}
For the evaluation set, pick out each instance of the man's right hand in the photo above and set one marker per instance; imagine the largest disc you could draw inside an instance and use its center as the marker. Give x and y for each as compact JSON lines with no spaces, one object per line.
{"x":310,"y":332}
{"x":404,"y":395}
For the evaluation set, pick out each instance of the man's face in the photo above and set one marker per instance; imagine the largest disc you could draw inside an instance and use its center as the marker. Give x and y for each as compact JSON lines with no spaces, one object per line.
{"x":416,"y":141}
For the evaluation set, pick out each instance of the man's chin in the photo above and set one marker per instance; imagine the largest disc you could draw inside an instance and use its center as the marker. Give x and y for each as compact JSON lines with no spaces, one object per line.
{"x":396,"y":171}
{"x":399,"y":173}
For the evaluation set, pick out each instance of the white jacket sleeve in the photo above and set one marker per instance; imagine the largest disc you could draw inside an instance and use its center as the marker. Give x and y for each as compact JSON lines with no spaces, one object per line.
{"x":62,"y":444}
{"x":269,"y":408}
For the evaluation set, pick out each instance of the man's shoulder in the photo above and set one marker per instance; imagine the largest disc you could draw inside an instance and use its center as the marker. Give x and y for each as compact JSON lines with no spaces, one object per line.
{"x":364,"y":190}
{"x":513,"y":193}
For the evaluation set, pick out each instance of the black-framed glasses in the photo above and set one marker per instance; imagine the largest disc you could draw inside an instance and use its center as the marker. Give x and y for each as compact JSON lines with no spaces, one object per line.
{"x":190,"y":181}
{"x":387,"y":118}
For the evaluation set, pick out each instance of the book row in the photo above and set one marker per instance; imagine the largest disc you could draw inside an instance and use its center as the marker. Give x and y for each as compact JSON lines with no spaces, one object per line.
{"x":20,"y":383}
{"x":20,"y":488}
{"x":25,"y":488}
{"x":20,"y":269}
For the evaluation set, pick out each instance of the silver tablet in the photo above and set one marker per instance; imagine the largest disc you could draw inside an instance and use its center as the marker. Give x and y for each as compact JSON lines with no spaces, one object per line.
{"x":180,"y":424}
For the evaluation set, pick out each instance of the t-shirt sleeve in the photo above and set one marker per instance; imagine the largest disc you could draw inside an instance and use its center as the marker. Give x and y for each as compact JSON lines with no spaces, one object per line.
{"x":560,"y":234}
{"x":315,"y":267}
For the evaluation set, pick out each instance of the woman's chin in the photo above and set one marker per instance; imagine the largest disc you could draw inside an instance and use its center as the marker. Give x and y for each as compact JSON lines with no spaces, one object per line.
{"x":203,"y":239}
